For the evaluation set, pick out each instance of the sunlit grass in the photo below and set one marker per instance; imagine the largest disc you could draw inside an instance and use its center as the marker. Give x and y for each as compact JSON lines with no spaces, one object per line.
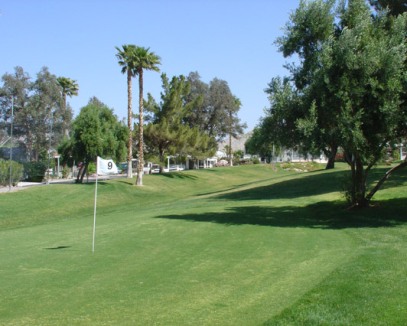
{"x":230,"y":246}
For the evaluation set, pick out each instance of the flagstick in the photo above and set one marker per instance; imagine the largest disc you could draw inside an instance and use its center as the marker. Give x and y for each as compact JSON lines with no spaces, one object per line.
{"x":94,"y":210}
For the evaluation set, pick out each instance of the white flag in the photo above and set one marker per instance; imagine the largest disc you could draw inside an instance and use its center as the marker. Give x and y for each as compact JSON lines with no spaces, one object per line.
{"x":105,"y":167}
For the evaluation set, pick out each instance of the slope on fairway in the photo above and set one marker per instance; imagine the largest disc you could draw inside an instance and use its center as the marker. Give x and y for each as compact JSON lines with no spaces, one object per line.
{"x":226,"y":247}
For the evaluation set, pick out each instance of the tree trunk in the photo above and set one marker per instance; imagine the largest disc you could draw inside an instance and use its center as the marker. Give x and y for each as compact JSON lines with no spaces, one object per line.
{"x":64,"y":124}
{"x":331,"y":154}
{"x":29,"y":145}
{"x":358,"y":184}
{"x":85,"y":171}
{"x":230,"y":150}
{"x":81,"y":173}
{"x":129,"y":125}
{"x":139,"y":181}
{"x":384,"y":178}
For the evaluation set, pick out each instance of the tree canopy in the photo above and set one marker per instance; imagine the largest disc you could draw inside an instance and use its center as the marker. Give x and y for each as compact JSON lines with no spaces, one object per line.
{"x":69,"y":87}
{"x":346,"y":89}
{"x":38,"y":115}
{"x":96,"y":132}
{"x":169,"y":131}
{"x":191,"y":117}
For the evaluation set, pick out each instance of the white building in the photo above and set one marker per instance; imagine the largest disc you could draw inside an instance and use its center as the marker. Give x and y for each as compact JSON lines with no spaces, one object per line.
{"x":291,"y":155}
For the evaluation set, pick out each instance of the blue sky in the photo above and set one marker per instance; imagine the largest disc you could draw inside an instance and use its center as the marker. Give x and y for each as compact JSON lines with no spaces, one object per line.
{"x":232,"y":40}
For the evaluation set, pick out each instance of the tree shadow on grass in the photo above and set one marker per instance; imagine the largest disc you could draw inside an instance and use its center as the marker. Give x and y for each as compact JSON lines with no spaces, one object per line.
{"x":92,"y":183}
{"x":179,"y":175}
{"x":305,"y":185}
{"x":128,"y":182}
{"x":309,"y":184}
{"x":241,"y":185}
{"x":57,"y":247}
{"x":323,"y":215}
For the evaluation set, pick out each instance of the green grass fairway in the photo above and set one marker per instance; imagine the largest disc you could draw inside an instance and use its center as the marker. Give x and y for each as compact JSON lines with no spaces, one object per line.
{"x":249,"y":245}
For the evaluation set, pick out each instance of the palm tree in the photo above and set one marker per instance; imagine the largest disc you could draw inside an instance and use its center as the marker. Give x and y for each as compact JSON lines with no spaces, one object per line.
{"x":70,"y":88}
{"x":127,"y":60}
{"x":144,"y":60}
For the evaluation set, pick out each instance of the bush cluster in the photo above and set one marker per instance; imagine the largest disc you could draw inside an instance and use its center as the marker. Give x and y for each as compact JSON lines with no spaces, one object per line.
{"x":16,"y":172}
{"x":35,"y":171}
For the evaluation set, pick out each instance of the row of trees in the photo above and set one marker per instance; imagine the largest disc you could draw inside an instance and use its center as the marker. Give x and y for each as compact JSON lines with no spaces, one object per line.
{"x":347,"y":89}
{"x":189,"y":117}
{"x":188,"y":120}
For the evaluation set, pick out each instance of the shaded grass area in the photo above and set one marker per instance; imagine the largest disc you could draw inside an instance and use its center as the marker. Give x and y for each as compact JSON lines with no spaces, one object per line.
{"x":323,"y":215}
{"x":236,"y":246}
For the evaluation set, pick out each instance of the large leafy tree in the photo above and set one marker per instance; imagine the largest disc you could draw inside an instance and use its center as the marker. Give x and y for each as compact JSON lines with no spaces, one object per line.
{"x":127,"y":60}
{"x":346,"y":90}
{"x":144,"y":59}
{"x":15,"y":92}
{"x":221,"y":100}
{"x":310,"y":27}
{"x":17,"y":86}
{"x":257,"y":144}
{"x":215,"y":108}
{"x":69,"y":87}
{"x":278,"y":129}
{"x":96,"y":132}
{"x":37,"y":111}
{"x":366,"y":72}
{"x":393,"y":9}
{"x":198,"y":116}
{"x":45,"y":110}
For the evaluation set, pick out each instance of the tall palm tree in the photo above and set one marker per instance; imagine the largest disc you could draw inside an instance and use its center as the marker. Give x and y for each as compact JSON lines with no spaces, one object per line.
{"x":127,"y":60}
{"x":144,"y":60}
{"x":70,"y":88}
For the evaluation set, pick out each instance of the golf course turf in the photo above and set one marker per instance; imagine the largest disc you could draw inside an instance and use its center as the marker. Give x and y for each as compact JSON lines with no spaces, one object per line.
{"x":248,"y":245}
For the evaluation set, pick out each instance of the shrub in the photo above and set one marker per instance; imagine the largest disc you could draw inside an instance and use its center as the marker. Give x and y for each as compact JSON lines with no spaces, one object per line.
{"x":91,"y":168}
{"x":65,"y":172}
{"x":35,"y":171}
{"x":256,"y":160}
{"x":236,"y":161}
{"x":16,"y":172}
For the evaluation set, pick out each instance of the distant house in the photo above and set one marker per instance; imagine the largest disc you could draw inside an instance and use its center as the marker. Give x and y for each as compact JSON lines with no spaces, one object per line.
{"x":286,"y":155}
{"x":207,"y":163}
{"x":291,"y":155}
